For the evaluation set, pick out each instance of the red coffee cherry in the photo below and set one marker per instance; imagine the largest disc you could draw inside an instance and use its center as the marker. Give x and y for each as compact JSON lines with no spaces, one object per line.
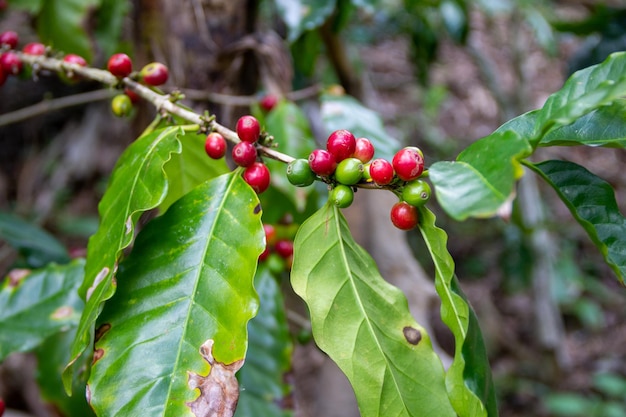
{"x":284,"y":248}
{"x":257,"y":176}
{"x":268,"y":102}
{"x":322,"y":162}
{"x":3,"y":76}
{"x":404,"y":216}
{"x":120,"y":65}
{"x":408,"y":163}
{"x":341,"y":144}
{"x":154,"y":74}
{"x":2,"y":407}
{"x":244,"y":154}
{"x":363,"y":150}
{"x":215,"y":145}
{"x":34,"y":48}
{"x":9,"y":38}
{"x":75,"y":59}
{"x":11,"y":63}
{"x":270,"y":234}
{"x":248,"y":129}
{"x":134,"y":97}
{"x":381,"y":171}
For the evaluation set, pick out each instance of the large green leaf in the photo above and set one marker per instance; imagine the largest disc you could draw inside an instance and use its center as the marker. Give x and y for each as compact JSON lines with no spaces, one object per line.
{"x":345,"y":112}
{"x":35,"y":245}
{"x":187,"y":286}
{"x":468,"y":380}
{"x":138,"y":184}
{"x":304,"y":15}
{"x":592,"y":203}
{"x":262,"y":378}
{"x":37,"y":304}
{"x":363,"y":323}
{"x":482,"y":178}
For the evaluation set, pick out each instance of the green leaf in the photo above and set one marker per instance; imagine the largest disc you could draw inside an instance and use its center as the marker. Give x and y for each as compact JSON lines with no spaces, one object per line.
{"x":38,"y":304}
{"x":35,"y":245}
{"x":586,"y":90}
{"x":138,"y":184}
{"x":363,"y":323}
{"x":468,"y":380}
{"x":111,"y":14}
{"x":303,"y":15}
{"x":482,"y":178}
{"x":188,"y":281}
{"x":591,"y":201}
{"x":262,"y":378}
{"x":32,"y":6}
{"x":64,"y":25}
{"x":190,"y":168}
{"x":345,"y":112}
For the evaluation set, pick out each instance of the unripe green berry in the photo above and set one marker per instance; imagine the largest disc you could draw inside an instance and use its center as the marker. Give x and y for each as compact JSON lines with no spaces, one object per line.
{"x":416,"y":193}
{"x":349,"y":171}
{"x":342,"y":196}
{"x":299,"y":173}
{"x":121,"y":105}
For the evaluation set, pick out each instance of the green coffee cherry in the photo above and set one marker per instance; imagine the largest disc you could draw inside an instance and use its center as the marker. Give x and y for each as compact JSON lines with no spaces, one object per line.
{"x":121,"y":105}
{"x":416,"y":193}
{"x":299,"y":173}
{"x":349,"y":171}
{"x":342,"y":196}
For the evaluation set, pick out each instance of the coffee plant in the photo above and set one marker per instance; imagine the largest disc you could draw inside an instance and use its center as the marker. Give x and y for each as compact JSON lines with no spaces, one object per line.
{"x":184,"y":316}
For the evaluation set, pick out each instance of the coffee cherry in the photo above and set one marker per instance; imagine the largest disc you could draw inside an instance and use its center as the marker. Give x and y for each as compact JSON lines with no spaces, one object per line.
{"x":342,"y":196}
{"x":134,"y":97}
{"x":257,"y":176}
{"x":341,"y":144}
{"x":349,"y":171}
{"x":270,"y":234}
{"x":264,"y":255}
{"x":248,"y":129}
{"x":284,"y":248}
{"x":268,"y":102}
{"x":120,"y":65}
{"x":75,"y":59}
{"x":3,"y":76}
{"x":34,"y":48}
{"x":11,"y":63}
{"x":154,"y":74}
{"x":416,"y":193}
{"x":322,"y":162}
{"x":9,"y":38}
{"x":381,"y":171}
{"x":363,"y":150}
{"x":121,"y":105}
{"x":299,"y":173}
{"x":408,"y":163}
{"x":404,"y":216}
{"x":2,"y":407}
{"x":215,"y":145}
{"x":366,"y":172}
{"x":276,"y":264}
{"x":244,"y":154}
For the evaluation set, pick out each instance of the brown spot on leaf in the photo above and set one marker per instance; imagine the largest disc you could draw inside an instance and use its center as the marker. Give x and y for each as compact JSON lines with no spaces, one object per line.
{"x":16,"y":276}
{"x":257,"y":208}
{"x":99,"y":278}
{"x":412,"y":335}
{"x":219,"y":390}
{"x":62,"y":313}
{"x":97,"y":355}
{"x":100,"y":331}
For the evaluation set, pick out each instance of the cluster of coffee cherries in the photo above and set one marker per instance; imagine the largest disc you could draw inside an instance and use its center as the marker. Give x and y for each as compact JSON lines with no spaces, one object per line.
{"x":244,"y":153}
{"x":278,"y":253}
{"x":10,"y":62}
{"x":347,"y":162}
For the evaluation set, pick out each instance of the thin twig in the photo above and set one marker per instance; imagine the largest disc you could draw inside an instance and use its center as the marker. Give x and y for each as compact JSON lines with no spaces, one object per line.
{"x":229,"y":100}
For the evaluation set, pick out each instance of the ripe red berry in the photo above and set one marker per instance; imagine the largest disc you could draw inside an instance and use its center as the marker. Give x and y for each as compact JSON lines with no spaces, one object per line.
{"x":154,"y":74}
{"x":248,"y":129}
{"x":270,"y":234}
{"x":257,"y":176}
{"x":75,"y":59}
{"x":11,"y":63}
{"x":284,"y":248}
{"x":381,"y":171}
{"x":9,"y":38}
{"x":341,"y":144}
{"x":363,"y":150}
{"x":408,"y":163}
{"x":404,"y":216}
{"x":120,"y":65}
{"x":215,"y":145}
{"x":268,"y":102}
{"x":34,"y":48}
{"x":3,"y":76}
{"x":134,"y":97}
{"x":244,"y":154}
{"x":322,"y":162}
{"x":2,"y":407}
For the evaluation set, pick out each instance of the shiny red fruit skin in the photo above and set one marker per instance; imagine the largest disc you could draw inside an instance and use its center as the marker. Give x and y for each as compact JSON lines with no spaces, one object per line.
{"x":134,"y":97}
{"x":9,"y":38}
{"x":381,"y":171}
{"x":268,"y":102}
{"x":408,"y":164}
{"x":244,"y":154}
{"x":34,"y":48}
{"x":257,"y":176}
{"x":363,"y":150}
{"x":120,"y":65}
{"x":75,"y":59}
{"x":322,"y":162}
{"x":284,"y":248}
{"x":404,"y":216}
{"x":215,"y":145}
{"x":11,"y":63}
{"x":2,"y":407}
{"x":341,"y":144}
{"x":248,"y":128}
{"x":154,"y":74}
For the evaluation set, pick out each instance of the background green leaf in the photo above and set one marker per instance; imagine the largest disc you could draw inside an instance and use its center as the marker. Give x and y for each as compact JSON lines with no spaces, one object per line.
{"x":188,"y":279}
{"x":38,"y":305}
{"x":468,"y":380}
{"x":363,"y":323}
{"x":303,"y":15}
{"x":591,"y":201}
{"x":111,"y":14}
